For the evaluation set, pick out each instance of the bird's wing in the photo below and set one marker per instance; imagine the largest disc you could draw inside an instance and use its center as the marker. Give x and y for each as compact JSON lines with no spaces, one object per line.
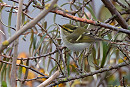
{"x":88,"y":39}
{"x":82,"y":38}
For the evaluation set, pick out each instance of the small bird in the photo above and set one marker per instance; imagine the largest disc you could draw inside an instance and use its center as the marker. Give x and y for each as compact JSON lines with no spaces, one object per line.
{"x":76,"y":38}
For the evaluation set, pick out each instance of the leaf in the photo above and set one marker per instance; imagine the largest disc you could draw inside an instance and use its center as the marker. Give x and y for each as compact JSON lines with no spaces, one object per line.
{"x":45,"y":24}
{"x":106,"y":49}
{"x":4,"y":84}
{"x":91,"y":11}
{"x":40,"y":43}
{"x":1,"y":64}
{"x":54,"y":18}
{"x":1,"y":1}
{"x":6,"y":42}
{"x":32,"y":42}
{"x":19,"y":75}
{"x":23,"y":19}
{"x":3,"y":70}
{"x":94,"y":55}
{"x":47,"y":1}
{"x":52,"y":70}
{"x":64,"y":4}
{"x":76,"y":83}
{"x":9,"y":21}
{"x":8,"y":76}
{"x":47,"y":6}
{"x":104,"y":13}
{"x":68,"y":64}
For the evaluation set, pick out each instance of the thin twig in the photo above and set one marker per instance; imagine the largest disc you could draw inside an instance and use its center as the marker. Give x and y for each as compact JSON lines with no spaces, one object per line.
{"x":120,"y":4}
{"x":30,"y":79}
{"x":27,"y":67}
{"x":29,"y":25}
{"x":34,"y":58}
{"x":50,"y":79}
{"x":114,"y":11}
{"x":90,"y":73}
{"x":127,"y":2}
{"x":18,"y":2}
{"x":96,"y":23}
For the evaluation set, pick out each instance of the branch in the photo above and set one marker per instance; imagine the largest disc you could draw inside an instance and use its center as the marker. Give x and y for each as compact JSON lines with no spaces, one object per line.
{"x":50,"y":79}
{"x":91,"y":73}
{"x":114,"y":11}
{"x":37,"y":57}
{"x":96,"y":23}
{"x":36,"y":78}
{"x":121,"y":4}
{"x":13,"y":69}
{"x":27,"y":67}
{"x":29,"y":25}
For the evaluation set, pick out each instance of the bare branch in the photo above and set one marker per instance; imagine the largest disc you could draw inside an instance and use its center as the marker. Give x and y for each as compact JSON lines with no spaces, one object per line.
{"x":13,"y":69}
{"x":27,"y":67}
{"x":114,"y":11}
{"x":96,"y":23}
{"x":50,"y":79}
{"x":29,"y":25}
{"x":91,"y":73}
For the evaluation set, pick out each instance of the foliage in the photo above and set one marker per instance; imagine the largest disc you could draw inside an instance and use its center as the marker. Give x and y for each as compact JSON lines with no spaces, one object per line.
{"x":45,"y":52}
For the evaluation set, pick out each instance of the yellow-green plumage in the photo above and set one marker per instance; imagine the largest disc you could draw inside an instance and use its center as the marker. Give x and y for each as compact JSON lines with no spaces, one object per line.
{"x":75,"y":38}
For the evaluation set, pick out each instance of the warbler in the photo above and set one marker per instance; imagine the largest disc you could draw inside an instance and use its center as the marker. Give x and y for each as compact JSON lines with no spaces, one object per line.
{"x":76,"y":38}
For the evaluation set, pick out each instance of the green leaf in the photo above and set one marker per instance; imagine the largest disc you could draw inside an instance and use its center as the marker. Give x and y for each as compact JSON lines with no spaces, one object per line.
{"x":1,"y":64}
{"x":128,"y":27}
{"x":94,"y":56}
{"x":48,"y":64}
{"x":103,"y":14}
{"x":52,"y":70}
{"x":4,"y":84}
{"x":23,"y":19}
{"x":2,"y":73}
{"x":1,"y":1}
{"x":41,"y":41}
{"x":31,"y":40}
{"x":47,"y":1}
{"x":106,"y":49}
{"x":68,"y":64}
{"x":64,"y":4}
{"x":19,"y":74}
{"x":45,"y":24}
{"x":9,"y":21}
{"x":91,"y":11}
{"x":54,"y":18}
{"x":8,"y":76}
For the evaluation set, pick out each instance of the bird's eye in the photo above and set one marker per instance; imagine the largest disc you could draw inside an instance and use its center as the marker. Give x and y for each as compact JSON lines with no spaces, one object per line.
{"x":74,"y":28}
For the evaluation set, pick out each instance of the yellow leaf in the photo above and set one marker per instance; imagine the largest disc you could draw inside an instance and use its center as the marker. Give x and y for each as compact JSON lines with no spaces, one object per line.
{"x":47,"y":6}
{"x":55,"y":5}
{"x":122,"y":60}
{"x":6,"y":42}
{"x":76,"y":82}
{"x":66,"y":10}
{"x":42,"y":71}
{"x":61,"y":85}
{"x":21,"y":55}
